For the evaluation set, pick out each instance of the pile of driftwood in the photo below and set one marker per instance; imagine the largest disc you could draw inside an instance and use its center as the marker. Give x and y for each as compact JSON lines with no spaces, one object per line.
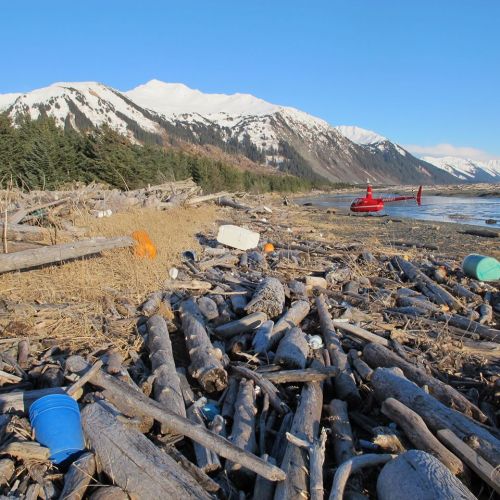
{"x":308,"y":371}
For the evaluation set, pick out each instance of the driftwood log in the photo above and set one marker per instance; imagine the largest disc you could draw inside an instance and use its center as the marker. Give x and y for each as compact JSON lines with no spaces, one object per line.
{"x":391,"y":383}
{"x":292,"y":317}
{"x":243,"y":431}
{"x":26,"y":259}
{"x":305,"y":426}
{"x":135,"y":404}
{"x":242,"y":325}
{"x":132,"y":461}
{"x":344,"y":383}
{"x":420,"y":436}
{"x":166,"y":385}
{"x":78,"y":477}
{"x":379,"y":356}
{"x":269,"y":298}
{"x":205,"y":366}
{"x":293,"y":349}
{"x":421,"y":476}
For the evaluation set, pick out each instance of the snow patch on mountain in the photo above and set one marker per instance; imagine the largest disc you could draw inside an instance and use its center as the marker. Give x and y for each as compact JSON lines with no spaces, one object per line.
{"x":465,"y":168}
{"x":7,"y":100}
{"x":360,"y":135}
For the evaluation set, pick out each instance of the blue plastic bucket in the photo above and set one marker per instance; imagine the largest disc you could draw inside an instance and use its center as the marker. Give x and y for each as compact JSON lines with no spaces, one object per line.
{"x":57,"y":425}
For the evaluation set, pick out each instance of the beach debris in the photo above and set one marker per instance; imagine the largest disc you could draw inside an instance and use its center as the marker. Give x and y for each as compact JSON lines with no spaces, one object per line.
{"x":481,"y":267}
{"x":318,"y":369}
{"x":237,"y":237}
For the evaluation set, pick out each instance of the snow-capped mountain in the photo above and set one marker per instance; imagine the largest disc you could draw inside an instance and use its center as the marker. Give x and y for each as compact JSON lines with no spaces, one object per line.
{"x":466,"y":169}
{"x":280,"y":137}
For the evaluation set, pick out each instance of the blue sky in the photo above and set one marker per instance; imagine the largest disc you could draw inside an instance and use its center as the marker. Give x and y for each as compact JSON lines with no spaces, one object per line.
{"x":423,"y":73}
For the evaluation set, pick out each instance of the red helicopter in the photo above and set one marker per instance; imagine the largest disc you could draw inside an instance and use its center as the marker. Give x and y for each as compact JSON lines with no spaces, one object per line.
{"x":371,"y":204}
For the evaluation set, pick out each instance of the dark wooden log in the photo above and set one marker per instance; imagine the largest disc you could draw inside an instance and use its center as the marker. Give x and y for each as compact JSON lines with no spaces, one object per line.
{"x":363,"y":370}
{"x":260,"y":340}
{"x":239,"y":301}
{"x":352,"y":465}
{"x":484,"y":233}
{"x":391,"y":383}
{"x":230,"y":398}
{"x":426,"y":305}
{"x":469,"y":325}
{"x":293,"y":349}
{"x":344,"y":383}
{"x":419,"y":435}
{"x":431,"y":289}
{"x":306,"y":375}
{"x":265,"y":384}
{"x":480,"y":466}
{"x":293,"y":317}
{"x":26,"y":259}
{"x":205,"y":481}
{"x":305,"y":425}
{"x":269,"y":298}
{"x":379,"y":356}
{"x":133,"y":461}
{"x":243,"y":431}
{"x":264,"y":489}
{"x":205,"y":366}
{"x":78,"y":477}
{"x":242,"y":325}
{"x":134,"y":403}
{"x":109,"y":493}
{"x":7,"y":469}
{"x":207,"y":460}
{"x":152,"y":303}
{"x":422,"y":476}
{"x":166,"y":386}
{"x":343,"y":444}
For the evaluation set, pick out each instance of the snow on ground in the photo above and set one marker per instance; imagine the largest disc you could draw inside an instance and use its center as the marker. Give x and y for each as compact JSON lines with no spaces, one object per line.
{"x":360,"y":135}
{"x":464,"y":168}
{"x":6,"y":100}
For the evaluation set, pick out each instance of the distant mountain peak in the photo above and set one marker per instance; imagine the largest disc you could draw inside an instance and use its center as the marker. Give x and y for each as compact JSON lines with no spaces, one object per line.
{"x":360,"y":135}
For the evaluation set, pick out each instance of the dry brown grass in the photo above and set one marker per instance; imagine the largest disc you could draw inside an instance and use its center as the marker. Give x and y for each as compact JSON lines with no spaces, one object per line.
{"x":86,"y":284}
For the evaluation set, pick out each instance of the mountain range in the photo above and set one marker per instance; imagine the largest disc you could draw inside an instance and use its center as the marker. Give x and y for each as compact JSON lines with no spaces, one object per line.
{"x":242,"y":126}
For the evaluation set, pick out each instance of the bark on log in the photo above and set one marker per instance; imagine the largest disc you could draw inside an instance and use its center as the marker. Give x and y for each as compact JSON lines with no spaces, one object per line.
{"x":305,"y":426}
{"x":422,"y":476}
{"x":133,"y":462}
{"x":344,"y":383}
{"x":109,"y":493}
{"x":269,"y":298}
{"x":260,"y":340}
{"x":243,"y":431}
{"x":78,"y":477}
{"x":390,"y":383}
{"x":166,"y":386}
{"x":293,"y":349}
{"x":205,"y":481}
{"x":205,"y":365}
{"x":293,"y":317}
{"x":23,"y":232}
{"x":26,"y":259}
{"x":265,"y":384}
{"x":20,"y":402}
{"x":470,"y":326}
{"x":420,"y":436}
{"x":430,"y":288}
{"x":133,"y":403}
{"x":242,"y":325}
{"x":207,"y":460}
{"x":480,"y":466}
{"x":208,"y":307}
{"x":353,"y":465}
{"x":379,"y":356}
{"x":264,"y":489}
{"x":307,"y":375}
{"x":343,"y":444}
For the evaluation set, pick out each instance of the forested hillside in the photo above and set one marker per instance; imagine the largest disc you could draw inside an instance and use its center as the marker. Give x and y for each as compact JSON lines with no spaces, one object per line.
{"x":39,"y":155}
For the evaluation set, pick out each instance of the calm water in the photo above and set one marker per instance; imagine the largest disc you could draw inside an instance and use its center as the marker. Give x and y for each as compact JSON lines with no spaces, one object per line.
{"x":434,"y":208}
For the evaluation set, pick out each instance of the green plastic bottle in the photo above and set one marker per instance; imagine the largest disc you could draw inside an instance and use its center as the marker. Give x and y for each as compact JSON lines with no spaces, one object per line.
{"x":481,"y":267}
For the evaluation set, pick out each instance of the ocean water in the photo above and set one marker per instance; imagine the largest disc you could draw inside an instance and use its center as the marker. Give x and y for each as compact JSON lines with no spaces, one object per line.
{"x":462,"y":210}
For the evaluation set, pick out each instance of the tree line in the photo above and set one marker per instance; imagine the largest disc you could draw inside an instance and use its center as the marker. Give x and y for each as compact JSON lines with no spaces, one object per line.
{"x":37,"y":154}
